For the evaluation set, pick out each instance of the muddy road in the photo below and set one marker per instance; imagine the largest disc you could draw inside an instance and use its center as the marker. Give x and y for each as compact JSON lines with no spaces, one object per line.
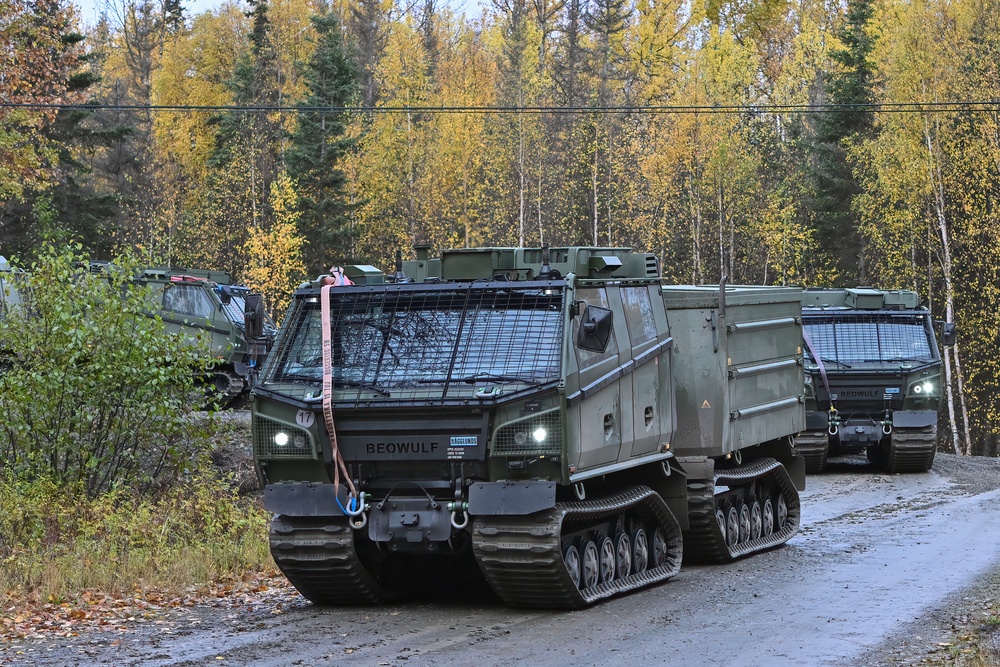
{"x":878,"y":560}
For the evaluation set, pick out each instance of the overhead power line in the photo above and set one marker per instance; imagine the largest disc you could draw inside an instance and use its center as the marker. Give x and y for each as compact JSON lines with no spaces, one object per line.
{"x":882,"y":107}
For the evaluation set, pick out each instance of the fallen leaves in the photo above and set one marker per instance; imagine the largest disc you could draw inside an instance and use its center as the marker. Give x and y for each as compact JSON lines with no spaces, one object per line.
{"x":92,"y":610}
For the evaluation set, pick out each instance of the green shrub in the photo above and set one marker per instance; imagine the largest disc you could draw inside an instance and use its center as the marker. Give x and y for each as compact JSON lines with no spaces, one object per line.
{"x":56,"y":542}
{"x":95,"y":392}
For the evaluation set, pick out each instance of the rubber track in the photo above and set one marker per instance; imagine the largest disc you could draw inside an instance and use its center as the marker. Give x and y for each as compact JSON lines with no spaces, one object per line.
{"x":911,"y":450}
{"x":317,"y":556}
{"x":521,"y":556}
{"x":813,"y":447}
{"x":217,"y":399}
{"x":704,"y":541}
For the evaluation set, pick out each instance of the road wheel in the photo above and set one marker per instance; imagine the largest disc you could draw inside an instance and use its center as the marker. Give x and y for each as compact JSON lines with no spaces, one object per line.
{"x":571,"y":558}
{"x":591,"y":564}
{"x":640,"y":550}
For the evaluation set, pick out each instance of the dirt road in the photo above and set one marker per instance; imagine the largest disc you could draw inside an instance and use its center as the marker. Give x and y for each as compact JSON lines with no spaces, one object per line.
{"x":880,"y":563}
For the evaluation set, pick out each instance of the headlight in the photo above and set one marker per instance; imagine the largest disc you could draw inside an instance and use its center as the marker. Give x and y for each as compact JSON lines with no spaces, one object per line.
{"x":276,"y":439}
{"x":540,"y":434}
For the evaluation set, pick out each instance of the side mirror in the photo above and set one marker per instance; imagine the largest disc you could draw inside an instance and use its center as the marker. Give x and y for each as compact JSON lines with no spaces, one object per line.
{"x":949,"y":334}
{"x":253,"y":316}
{"x":595,"y":329}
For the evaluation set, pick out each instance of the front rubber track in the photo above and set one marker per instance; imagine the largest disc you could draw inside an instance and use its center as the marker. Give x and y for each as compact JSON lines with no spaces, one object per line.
{"x":704,"y":541}
{"x":911,"y":450}
{"x":814,"y":448}
{"x":522,"y":556}
{"x":318,"y":557}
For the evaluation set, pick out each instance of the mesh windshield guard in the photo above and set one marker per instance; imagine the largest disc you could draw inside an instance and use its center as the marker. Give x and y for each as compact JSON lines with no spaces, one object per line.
{"x":871,"y":338}
{"x":424,"y":343}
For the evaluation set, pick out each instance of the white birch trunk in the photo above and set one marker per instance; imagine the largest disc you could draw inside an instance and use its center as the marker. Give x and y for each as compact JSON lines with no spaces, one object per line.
{"x":939,"y":206}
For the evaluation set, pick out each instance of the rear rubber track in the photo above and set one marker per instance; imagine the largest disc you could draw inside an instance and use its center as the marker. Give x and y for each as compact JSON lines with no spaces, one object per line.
{"x":704,"y":540}
{"x":522,"y":556}
{"x":218,"y":398}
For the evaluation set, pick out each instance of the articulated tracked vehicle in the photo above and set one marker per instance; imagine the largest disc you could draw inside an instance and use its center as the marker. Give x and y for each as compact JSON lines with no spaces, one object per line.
{"x":10,"y":298}
{"x":195,"y":302}
{"x":557,"y":420}
{"x":10,"y":279}
{"x":873,"y":378}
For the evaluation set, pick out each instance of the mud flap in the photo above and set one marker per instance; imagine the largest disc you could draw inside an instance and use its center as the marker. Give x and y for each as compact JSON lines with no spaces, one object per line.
{"x":511,"y":498}
{"x":304,"y":499}
{"x":914,"y":418}
{"x":796,"y":468}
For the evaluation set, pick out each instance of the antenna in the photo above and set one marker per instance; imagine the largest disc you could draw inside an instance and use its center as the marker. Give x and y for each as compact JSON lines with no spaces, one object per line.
{"x":546,"y":269}
{"x":399,"y":276}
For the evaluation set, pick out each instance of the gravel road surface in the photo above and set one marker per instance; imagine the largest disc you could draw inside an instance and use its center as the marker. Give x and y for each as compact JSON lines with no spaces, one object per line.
{"x":882,"y":570}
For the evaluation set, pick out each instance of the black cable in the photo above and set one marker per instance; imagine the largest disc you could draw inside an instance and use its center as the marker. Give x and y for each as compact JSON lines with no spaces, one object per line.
{"x":880,"y":107}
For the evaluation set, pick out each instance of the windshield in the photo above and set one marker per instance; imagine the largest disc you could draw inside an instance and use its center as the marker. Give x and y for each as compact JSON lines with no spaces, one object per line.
{"x":854,"y":339}
{"x":428,"y":344}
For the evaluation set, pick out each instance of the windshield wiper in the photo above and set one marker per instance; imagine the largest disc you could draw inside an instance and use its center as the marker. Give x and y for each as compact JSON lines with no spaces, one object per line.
{"x":484,"y":377}
{"x":284,"y":377}
{"x":911,"y":359}
{"x":344,"y":382}
{"x":834,"y":361}
{"x":493,"y":377}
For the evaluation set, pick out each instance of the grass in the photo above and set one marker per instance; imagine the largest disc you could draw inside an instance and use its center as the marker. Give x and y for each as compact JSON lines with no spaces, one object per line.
{"x":55,"y":543}
{"x":970,"y":646}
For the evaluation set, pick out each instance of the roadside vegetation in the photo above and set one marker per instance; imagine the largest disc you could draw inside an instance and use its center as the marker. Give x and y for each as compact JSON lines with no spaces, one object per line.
{"x":106,"y":474}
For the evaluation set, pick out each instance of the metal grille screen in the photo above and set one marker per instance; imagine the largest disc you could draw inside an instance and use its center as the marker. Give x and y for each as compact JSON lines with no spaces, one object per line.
{"x":424,"y":343}
{"x":848,"y":339}
{"x":297,"y":441}
{"x":533,"y":435}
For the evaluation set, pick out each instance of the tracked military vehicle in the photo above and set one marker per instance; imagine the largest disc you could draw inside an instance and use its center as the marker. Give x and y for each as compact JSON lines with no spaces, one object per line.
{"x":10,"y":291}
{"x":557,"y":420}
{"x":873,"y":378}
{"x":194,"y":302}
{"x":10,"y":297}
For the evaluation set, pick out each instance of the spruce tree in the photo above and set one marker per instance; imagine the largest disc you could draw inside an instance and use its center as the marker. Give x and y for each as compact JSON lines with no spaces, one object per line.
{"x":853,"y":88}
{"x":317,"y":146}
{"x":77,"y":202}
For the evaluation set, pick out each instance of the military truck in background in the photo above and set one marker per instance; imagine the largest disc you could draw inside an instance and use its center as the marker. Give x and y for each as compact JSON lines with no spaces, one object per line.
{"x":556,"y":421}
{"x":873,"y":378}
{"x":195,"y":302}
{"x":10,"y":290}
{"x":206,"y":304}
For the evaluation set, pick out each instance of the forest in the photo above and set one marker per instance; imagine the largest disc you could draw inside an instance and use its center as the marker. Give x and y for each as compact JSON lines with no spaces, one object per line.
{"x":784,"y":142}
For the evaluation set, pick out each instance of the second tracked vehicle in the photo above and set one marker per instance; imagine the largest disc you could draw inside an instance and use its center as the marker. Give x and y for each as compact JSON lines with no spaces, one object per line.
{"x":556,"y":421}
{"x":873,"y":378}
{"x":205,"y":303}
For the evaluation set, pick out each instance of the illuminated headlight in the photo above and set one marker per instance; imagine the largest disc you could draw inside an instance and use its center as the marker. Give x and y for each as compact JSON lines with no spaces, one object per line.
{"x":281,"y":439}
{"x":927,"y":387}
{"x":540,"y":434}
